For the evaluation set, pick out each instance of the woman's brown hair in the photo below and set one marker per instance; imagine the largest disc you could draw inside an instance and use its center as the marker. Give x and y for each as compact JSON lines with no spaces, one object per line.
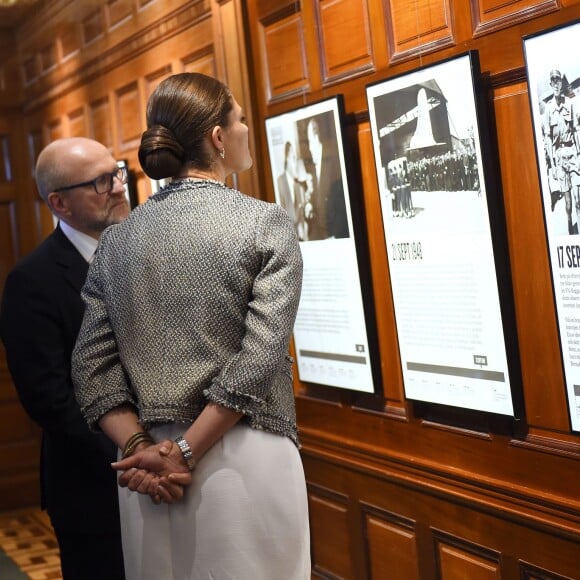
{"x":181,"y":111}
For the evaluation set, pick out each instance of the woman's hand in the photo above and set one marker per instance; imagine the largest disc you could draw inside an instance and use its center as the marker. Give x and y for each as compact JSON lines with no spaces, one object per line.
{"x":157,"y":470}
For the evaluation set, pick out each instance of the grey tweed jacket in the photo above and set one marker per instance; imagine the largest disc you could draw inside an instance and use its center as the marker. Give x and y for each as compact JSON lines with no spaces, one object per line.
{"x":192,"y":299}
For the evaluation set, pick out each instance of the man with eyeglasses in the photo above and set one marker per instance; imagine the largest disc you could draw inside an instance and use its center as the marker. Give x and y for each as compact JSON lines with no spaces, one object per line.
{"x":40,"y":316}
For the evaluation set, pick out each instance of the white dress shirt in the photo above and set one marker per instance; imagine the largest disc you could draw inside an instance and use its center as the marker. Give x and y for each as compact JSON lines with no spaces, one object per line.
{"x":86,"y":245}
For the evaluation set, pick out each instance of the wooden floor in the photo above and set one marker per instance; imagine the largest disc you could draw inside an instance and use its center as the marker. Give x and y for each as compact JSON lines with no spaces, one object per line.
{"x":27,"y":538}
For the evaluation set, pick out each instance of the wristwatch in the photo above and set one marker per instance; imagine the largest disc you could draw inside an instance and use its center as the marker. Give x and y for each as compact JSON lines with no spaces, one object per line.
{"x":186,"y":452}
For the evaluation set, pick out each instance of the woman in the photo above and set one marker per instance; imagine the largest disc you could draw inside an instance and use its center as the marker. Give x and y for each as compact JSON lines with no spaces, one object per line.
{"x":182,"y":357}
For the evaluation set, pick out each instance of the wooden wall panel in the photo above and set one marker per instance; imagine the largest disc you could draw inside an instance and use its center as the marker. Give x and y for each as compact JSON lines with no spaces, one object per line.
{"x":345,"y":39}
{"x":201,"y":62}
{"x":101,"y":91}
{"x":385,"y":314}
{"x":118,"y":11}
{"x":472,"y":485}
{"x":54,"y":130}
{"x":35,"y":145}
{"x":19,"y":439}
{"x":490,"y":15}
{"x":543,"y":381}
{"x":531,"y":572}
{"x":70,"y":42}
{"x":418,"y":27}
{"x":459,"y":559}
{"x":396,"y":488}
{"x":128,"y":119}
{"x":6,"y":169}
{"x":285,"y":64}
{"x":77,"y":123}
{"x":456,"y":537}
{"x":8,"y":235}
{"x":391,"y":545}
{"x":154,"y":78}
{"x":30,"y":67}
{"x":48,"y":57}
{"x":100,"y":121}
{"x":93,"y":27}
{"x":329,"y":530}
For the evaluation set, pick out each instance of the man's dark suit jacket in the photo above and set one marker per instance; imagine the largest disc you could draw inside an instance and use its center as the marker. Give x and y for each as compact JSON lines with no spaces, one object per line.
{"x":40,"y":318}
{"x":329,"y":218}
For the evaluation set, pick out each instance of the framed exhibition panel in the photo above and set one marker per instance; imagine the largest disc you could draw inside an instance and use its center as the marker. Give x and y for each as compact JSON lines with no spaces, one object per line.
{"x":554,"y":76}
{"x":309,"y":173}
{"x":434,"y":188}
{"x":130,"y":190}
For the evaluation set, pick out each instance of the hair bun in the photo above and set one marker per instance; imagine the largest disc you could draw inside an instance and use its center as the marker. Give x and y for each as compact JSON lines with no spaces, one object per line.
{"x":160,"y":154}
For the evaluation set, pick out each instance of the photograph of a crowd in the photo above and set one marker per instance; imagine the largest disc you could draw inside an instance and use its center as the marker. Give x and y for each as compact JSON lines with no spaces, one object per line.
{"x":425,"y":131}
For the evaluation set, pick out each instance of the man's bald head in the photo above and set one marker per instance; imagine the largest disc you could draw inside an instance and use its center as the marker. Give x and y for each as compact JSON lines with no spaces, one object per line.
{"x":61,"y":162}
{"x":66,"y":171}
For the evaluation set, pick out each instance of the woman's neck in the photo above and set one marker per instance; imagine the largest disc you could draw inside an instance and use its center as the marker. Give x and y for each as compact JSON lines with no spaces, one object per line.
{"x":210,"y":174}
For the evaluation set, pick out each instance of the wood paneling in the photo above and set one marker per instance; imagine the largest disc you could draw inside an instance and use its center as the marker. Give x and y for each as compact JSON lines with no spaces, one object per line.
{"x":8,"y":236}
{"x":202,"y":62}
{"x":284,"y":56}
{"x":490,"y":15}
{"x":35,"y":145}
{"x":93,"y":27}
{"x":345,"y":39}
{"x":100,"y":121}
{"x":543,"y":382}
{"x":118,"y":11}
{"x":54,"y":130}
{"x":48,"y":58}
{"x":77,"y":124}
{"x":391,"y":545}
{"x":128,"y":119}
{"x":458,"y":559}
{"x":329,"y":530}
{"x":433,"y":492}
{"x":70,"y":42}
{"x":418,"y":27}
{"x":397,"y":489}
{"x":154,"y":78}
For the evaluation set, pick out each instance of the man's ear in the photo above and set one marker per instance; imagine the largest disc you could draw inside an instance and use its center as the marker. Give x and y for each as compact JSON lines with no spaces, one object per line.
{"x":58,"y":204}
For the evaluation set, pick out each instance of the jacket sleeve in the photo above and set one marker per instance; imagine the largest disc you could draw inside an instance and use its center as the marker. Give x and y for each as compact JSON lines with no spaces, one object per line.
{"x":97,"y":373}
{"x":38,"y":353}
{"x":245,"y":381}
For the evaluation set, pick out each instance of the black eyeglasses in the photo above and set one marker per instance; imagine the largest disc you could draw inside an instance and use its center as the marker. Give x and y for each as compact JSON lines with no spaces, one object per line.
{"x":103,"y":183}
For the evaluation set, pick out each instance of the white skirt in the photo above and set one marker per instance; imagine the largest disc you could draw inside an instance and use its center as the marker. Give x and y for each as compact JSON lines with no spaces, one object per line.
{"x":244,"y":516}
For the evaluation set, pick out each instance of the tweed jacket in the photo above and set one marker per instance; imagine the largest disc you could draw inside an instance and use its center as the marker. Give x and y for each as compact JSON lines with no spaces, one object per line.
{"x":192,"y":299}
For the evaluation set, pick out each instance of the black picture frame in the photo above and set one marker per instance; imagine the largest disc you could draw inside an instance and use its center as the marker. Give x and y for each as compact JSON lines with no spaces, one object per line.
{"x":130,"y":186}
{"x":553,"y":73}
{"x":445,"y":235}
{"x":334,"y":334}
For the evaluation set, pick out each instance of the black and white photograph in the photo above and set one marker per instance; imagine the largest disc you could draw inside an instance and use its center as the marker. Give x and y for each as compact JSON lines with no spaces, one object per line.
{"x":310,"y":181}
{"x":310,"y":176}
{"x":430,"y":167}
{"x":431,"y":176}
{"x":553,"y":74}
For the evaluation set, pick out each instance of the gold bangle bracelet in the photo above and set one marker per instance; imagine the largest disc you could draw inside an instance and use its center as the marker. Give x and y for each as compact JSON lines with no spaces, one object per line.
{"x":134,"y":440}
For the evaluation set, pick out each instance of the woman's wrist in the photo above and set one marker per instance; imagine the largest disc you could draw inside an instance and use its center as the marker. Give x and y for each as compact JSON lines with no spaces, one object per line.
{"x":186,"y":452}
{"x":137,"y":439}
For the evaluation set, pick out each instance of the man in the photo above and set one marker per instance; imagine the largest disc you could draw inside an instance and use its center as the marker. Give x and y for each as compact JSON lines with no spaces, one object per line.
{"x":40,"y":317}
{"x":326,"y":214}
{"x":291,"y":192}
{"x":561,"y":143}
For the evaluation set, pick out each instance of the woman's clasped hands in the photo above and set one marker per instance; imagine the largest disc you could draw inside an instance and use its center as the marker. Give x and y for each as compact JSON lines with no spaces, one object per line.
{"x":158,"y":470}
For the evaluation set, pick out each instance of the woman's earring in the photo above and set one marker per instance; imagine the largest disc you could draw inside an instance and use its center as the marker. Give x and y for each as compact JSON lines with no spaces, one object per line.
{"x":223,"y":153}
